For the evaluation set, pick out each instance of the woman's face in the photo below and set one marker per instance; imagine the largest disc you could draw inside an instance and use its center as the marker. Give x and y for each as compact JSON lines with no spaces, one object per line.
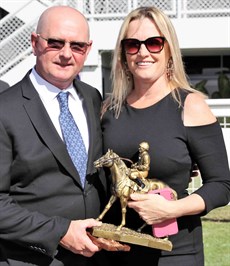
{"x":145,"y":66}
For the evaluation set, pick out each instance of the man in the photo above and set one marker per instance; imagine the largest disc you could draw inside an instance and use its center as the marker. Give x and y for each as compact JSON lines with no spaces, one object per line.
{"x":45,"y":210}
{"x":140,"y":169}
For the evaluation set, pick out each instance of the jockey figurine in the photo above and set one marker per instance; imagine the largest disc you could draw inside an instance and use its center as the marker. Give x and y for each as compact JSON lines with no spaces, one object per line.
{"x":139,"y":171}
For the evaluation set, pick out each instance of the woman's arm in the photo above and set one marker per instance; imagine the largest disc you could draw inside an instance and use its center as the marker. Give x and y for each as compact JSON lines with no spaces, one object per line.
{"x":206,"y":144}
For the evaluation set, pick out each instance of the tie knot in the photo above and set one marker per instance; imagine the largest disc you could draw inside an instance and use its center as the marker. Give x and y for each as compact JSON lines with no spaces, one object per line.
{"x":63,"y":98}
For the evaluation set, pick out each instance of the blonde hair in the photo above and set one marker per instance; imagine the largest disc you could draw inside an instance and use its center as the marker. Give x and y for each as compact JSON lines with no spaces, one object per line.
{"x":122,"y":80}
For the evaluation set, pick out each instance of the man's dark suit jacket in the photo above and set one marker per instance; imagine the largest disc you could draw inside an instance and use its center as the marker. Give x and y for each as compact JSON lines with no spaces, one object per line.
{"x":3,"y":85}
{"x":40,"y":189}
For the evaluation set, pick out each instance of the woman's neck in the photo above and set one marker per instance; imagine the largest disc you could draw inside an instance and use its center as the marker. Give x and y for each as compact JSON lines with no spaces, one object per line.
{"x":144,"y":95}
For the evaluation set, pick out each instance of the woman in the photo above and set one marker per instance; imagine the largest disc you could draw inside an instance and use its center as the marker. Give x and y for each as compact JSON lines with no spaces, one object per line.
{"x":152,"y":101}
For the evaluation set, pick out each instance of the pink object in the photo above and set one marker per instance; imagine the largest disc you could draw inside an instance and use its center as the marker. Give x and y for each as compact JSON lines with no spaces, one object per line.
{"x":168,"y":227}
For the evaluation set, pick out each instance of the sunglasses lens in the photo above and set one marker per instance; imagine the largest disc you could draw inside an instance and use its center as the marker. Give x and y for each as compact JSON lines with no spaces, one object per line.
{"x":79,"y":47}
{"x":154,"y":44}
{"x":131,"y":46}
{"x":55,"y":44}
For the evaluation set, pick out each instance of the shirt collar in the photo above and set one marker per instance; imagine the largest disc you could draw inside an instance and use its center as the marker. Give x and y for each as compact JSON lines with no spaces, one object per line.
{"x":46,"y":90}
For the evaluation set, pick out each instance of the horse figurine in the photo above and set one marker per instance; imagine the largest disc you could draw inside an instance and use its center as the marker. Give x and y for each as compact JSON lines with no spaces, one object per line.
{"x":122,"y":185}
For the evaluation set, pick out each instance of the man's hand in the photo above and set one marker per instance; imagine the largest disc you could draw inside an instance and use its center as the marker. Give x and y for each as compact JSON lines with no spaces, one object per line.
{"x":77,"y":240}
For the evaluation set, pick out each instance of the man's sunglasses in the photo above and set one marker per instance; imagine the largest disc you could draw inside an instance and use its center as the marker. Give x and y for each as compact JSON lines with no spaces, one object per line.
{"x":153,"y":44}
{"x":76,"y":47}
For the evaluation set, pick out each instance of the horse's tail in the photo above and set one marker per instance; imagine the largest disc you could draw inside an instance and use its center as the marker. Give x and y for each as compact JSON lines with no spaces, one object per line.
{"x":154,"y":184}
{"x":157,"y":184}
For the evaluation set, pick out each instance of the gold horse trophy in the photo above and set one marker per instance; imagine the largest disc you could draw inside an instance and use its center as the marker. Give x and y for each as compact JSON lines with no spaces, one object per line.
{"x":126,"y":181}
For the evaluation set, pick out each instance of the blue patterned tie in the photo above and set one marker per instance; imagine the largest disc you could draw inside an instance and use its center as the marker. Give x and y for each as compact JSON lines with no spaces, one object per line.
{"x":72,"y":137}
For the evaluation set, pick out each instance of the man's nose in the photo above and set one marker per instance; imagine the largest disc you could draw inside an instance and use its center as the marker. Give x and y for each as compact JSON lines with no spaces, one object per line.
{"x":66,"y":50}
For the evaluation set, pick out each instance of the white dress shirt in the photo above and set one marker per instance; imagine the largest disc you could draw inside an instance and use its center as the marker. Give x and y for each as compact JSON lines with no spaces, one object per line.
{"x":48,"y":94}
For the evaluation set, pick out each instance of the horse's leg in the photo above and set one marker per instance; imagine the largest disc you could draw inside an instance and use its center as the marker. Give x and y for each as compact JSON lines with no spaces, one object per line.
{"x":107,"y":207}
{"x":123,"y":201}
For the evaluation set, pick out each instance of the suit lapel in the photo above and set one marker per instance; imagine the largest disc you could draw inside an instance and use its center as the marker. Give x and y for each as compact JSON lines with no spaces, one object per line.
{"x":45,"y":128}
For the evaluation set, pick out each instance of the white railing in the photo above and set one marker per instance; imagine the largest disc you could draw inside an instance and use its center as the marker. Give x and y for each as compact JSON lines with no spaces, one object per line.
{"x":102,"y":10}
{"x":16,"y":29}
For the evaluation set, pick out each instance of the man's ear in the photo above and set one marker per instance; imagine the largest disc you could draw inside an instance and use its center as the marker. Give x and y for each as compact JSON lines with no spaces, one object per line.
{"x":89,"y":48}
{"x":33,"y":39}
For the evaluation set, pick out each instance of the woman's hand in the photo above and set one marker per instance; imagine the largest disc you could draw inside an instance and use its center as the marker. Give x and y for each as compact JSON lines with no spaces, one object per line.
{"x":152,"y":208}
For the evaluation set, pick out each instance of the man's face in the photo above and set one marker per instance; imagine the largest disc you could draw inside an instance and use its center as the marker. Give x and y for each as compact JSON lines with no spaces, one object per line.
{"x":60,"y":65}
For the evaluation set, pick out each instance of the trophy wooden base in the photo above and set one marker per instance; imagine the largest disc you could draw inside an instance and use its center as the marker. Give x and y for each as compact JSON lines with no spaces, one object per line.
{"x":126,"y":235}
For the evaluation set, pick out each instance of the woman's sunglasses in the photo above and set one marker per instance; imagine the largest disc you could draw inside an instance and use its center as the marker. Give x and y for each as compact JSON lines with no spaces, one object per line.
{"x":76,"y":47}
{"x":153,"y":44}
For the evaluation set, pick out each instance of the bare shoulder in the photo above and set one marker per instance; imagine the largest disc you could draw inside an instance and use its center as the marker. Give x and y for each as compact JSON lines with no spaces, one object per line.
{"x":197,"y":111}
